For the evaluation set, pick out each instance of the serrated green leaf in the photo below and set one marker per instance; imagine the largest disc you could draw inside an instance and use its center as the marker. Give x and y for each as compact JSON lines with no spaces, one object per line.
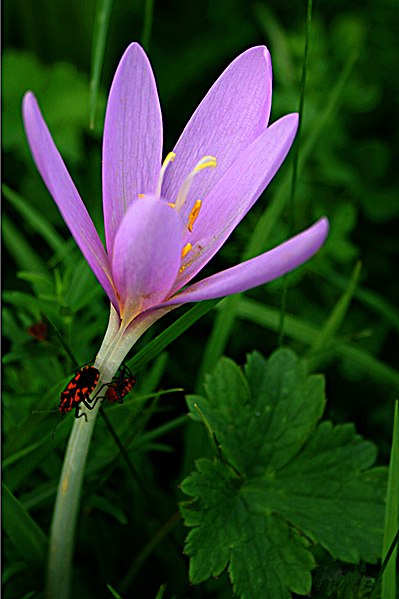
{"x":255,"y":414}
{"x":284,"y":481}
{"x":210,"y":542}
{"x":284,"y":547}
{"x":324,"y":493}
{"x":226,"y":530}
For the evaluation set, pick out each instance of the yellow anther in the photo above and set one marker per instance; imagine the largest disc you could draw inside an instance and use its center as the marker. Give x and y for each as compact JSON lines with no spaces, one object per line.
{"x":205,"y":162}
{"x":169,"y":158}
{"x":141,"y":195}
{"x":187,"y":248}
{"x":171,"y":204}
{"x":194,"y":215}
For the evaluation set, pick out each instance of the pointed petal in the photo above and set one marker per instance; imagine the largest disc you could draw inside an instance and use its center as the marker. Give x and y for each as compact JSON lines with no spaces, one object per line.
{"x":233,"y":113}
{"x":132,"y":144}
{"x":60,"y":185}
{"x":147,"y":255}
{"x":257,"y":271}
{"x":232,"y":197}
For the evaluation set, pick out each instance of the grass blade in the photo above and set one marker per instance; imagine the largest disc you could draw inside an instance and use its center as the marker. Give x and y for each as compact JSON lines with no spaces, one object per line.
{"x":35,"y":219}
{"x":101,"y":24}
{"x":295,"y":163}
{"x":300,"y":330}
{"x":369,"y":298}
{"x":23,"y":531}
{"x":24,"y":256}
{"x":388,"y":588}
{"x":147,"y":25}
{"x":334,"y":321}
{"x":165,"y":338}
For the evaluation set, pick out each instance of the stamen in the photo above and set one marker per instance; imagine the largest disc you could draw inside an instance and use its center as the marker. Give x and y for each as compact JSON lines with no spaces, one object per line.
{"x":169,"y":158}
{"x":141,"y":195}
{"x":194,"y":215}
{"x":187,"y":248}
{"x":205,"y":162}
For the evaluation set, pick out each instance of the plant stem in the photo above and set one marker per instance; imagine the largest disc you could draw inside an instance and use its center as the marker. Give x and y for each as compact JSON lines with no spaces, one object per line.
{"x":116,"y":344}
{"x":62,"y":535}
{"x":118,"y":340}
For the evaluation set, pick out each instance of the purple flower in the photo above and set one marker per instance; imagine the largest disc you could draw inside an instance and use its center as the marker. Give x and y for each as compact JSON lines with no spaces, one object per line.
{"x":164,"y":222}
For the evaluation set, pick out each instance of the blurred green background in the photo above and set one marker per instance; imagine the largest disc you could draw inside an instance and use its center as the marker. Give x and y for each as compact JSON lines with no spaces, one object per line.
{"x":348,"y":159}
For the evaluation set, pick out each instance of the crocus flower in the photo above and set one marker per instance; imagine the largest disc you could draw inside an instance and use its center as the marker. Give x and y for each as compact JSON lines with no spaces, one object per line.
{"x":165,"y":221}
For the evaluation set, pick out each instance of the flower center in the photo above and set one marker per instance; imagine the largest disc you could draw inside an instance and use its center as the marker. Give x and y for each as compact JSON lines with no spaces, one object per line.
{"x":205,"y":162}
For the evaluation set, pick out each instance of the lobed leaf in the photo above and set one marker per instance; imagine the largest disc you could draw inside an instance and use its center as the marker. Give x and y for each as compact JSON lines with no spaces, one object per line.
{"x":283,"y":481}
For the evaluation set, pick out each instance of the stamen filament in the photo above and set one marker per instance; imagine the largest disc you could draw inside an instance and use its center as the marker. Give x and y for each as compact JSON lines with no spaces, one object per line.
{"x":205,"y":162}
{"x":169,"y":158}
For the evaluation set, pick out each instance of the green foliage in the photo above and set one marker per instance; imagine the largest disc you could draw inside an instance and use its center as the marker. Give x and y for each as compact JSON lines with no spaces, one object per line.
{"x":389,"y":577}
{"x":341,"y":322}
{"x":280,"y":483}
{"x":23,"y":531}
{"x":63,"y":95}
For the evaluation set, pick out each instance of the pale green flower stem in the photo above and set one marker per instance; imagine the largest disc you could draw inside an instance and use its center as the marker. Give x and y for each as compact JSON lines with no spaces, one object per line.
{"x":117,"y":342}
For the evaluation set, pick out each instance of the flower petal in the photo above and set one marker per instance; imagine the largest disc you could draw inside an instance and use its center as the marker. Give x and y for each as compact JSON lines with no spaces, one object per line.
{"x":234,"y":112}
{"x":132,"y":144}
{"x":146,"y":255}
{"x":64,"y":192}
{"x":257,"y":271}
{"x":232,"y":197}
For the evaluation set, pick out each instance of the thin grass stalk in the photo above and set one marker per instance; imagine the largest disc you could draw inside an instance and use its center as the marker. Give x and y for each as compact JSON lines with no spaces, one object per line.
{"x":291,"y":205}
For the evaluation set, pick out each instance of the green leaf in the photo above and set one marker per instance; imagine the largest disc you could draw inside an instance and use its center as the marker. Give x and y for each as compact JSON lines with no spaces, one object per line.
{"x":113,"y":592}
{"x":255,"y":414}
{"x":23,"y":255}
{"x":300,"y":330}
{"x":101,"y":24}
{"x":283,"y":481}
{"x":23,"y":531}
{"x":335,"y":320}
{"x":167,"y":336}
{"x":324,"y":493}
{"x":147,"y":24}
{"x":227,"y":531}
{"x":161,"y":591}
{"x":388,"y":588}
{"x":36,"y":220}
{"x":62,"y":93}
